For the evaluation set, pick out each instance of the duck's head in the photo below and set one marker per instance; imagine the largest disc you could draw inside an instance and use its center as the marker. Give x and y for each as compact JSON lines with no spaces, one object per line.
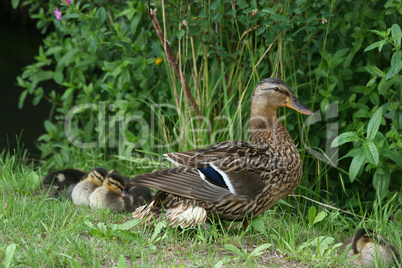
{"x":271,"y":94}
{"x":361,"y":239}
{"x":115,"y":183}
{"x":97,"y":175}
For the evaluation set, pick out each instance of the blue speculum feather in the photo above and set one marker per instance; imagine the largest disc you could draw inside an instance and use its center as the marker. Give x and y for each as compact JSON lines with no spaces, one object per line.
{"x":213,"y":176}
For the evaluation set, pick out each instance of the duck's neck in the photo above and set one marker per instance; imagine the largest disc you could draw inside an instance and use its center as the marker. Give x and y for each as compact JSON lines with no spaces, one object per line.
{"x":263,"y":127}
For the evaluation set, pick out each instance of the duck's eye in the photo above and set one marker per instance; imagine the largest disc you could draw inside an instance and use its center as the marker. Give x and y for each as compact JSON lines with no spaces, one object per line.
{"x":276,"y":89}
{"x":97,"y":175}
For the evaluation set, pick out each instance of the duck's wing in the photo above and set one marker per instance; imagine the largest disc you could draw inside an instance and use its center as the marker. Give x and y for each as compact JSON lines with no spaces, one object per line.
{"x":226,"y":155}
{"x":183,"y":181}
{"x":210,"y":174}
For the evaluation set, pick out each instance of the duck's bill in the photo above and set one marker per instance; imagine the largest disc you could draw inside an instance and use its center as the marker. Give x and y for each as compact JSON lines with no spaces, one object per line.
{"x":295,"y":104}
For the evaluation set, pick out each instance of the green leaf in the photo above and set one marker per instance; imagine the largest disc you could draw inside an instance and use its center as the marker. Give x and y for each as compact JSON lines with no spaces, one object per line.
{"x":356,"y":165}
{"x":386,"y":85}
{"x":381,"y":181}
{"x":219,"y":264}
{"x":93,"y":46}
{"x":356,"y":47}
{"x":374,"y":124}
{"x":260,"y":250}
{"x":396,"y":64}
{"x":344,"y":138}
{"x":15,"y":3}
{"x":259,"y":225}
{"x":75,"y":264}
{"x":134,"y":23}
{"x":261,"y":30}
{"x":22,"y":99}
{"x":89,"y":224}
{"x":393,"y":155}
{"x":122,"y":262}
{"x":312,"y":212}
{"x":371,"y":82}
{"x":371,"y":151}
{"x":395,"y":31}
{"x":323,"y":243}
{"x":320,"y":216}
{"x":374,"y":98}
{"x":38,"y":96}
{"x":100,"y":16}
{"x":67,"y":93}
{"x":341,"y":53}
{"x":50,"y":128}
{"x":180,"y":34}
{"x":10,"y":250}
{"x":215,"y":5}
{"x":375,"y":45}
{"x":58,"y":77}
{"x":324,"y":105}
{"x":234,"y":249}
{"x":68,"y":56}
{"x":242,"y":3}
{"x":33,"y":179}
{"x":128,"y":224}
{"x":157,"y":230}
{"x":374,"y":70}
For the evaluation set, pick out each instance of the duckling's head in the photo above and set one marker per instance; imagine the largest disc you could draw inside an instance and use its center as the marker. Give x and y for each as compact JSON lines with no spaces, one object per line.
{"x":271,"y":94}
{"x":97,"y":175}
{"x":361,"y":238}
{"x":115,"y":183}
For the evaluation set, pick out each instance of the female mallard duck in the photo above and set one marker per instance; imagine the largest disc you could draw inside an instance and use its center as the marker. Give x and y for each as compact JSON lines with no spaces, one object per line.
{"x":231,"y":179}
{"x":83,"y":189}
{"x":62,"y":182}
{"x":369,"y":244}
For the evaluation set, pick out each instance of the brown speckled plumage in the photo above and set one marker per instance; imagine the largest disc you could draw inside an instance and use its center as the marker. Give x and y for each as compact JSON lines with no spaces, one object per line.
{"x":231,"y":179}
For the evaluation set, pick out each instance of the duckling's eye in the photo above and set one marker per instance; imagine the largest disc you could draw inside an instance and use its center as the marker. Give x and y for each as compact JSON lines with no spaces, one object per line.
{"x":97,"y":175}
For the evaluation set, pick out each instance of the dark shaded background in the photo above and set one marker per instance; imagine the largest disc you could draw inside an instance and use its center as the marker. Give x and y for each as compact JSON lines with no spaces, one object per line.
{"x":19,"y":43}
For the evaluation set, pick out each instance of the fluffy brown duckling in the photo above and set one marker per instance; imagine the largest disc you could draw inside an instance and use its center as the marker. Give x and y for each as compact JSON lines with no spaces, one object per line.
{"x":62,"y":182}
{"x":111,"y":194}
{"x":81,"y":192}
{"x":137,"y":196}
{"x":368,"y":245}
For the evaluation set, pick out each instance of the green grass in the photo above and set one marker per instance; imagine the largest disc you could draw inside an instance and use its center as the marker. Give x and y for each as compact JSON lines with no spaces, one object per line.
{"x":40,"y":232}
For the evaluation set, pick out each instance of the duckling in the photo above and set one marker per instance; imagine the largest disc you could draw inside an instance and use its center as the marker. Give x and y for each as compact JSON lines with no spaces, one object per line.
{"x":369,"y":244}
{"x":61,"y":182}
{"x":231,"y":179}
{"x":83,"y":189}
{"x":137,"y":196}
{"x":111,"y":194}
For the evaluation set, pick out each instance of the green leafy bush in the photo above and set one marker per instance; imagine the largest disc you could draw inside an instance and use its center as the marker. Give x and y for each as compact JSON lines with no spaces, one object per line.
{"x":373,"y":149}
{"x":100,"y":54}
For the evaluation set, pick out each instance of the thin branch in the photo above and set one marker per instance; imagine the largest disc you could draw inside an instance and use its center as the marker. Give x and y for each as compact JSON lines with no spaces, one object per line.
{"x":328,"y":206}
{"x":172,"y":60}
